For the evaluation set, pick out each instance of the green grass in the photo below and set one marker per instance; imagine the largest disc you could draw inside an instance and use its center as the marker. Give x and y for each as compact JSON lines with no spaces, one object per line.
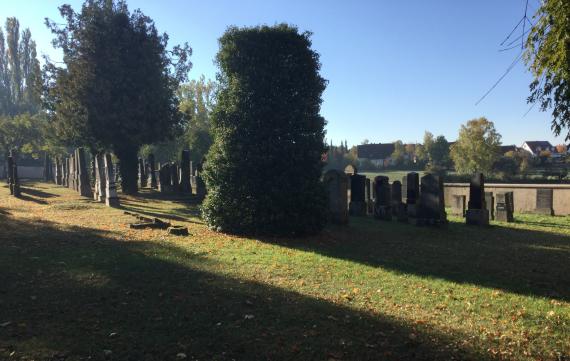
{"x":76,"y":283}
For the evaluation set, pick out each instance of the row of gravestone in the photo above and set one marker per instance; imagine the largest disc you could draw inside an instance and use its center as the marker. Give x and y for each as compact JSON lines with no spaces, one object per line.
{"x":72,"y":172}
{"x":170,"y":177}
{"x":354,"y":194}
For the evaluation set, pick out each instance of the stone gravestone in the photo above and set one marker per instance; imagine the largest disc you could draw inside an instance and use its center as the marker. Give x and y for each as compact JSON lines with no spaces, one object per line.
{"x":382,"y":209}
{"x":100,"y":178}
{"x":84,"y":185}
{"x":432,"y":205}
{"x":544,"y":201}
{"x":64,"y":174}
{"x":490,"y":204}
{"x":151,"y":172}
{"x":58,"y":171}
{"x":412,"y":195}
{"x":336,"y":183}
{"x":504,"y":207}
{"x":174,"y":177}
{"x":111,"y":197}
{"x":476,"y":209}
{"x":185,"y":172}
{"x":404,"y":188}
{"x":458,"y":205}
{"x":368,"y":197}
{"x":398,"y":207}
{"x":142,"y":173}
{"x":13,"y":180}
{"x":164,"y":181}
{"x":47,"y":168}
{"x":357,"y":205}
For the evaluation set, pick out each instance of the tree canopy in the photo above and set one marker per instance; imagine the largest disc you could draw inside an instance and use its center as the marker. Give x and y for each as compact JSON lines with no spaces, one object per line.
{"x":263,"y":170}
{"x":477,"y":147}
{"x":548,"y":57}
{"x":117,"y":90}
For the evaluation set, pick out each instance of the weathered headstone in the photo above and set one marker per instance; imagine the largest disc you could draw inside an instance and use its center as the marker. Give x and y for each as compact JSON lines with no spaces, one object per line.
{"x":357,"y":205}
{"x":152,"y":172}
{"x":404,"y":188}
{"x":544,"y":201}
{"x":47,"y":174}
{"x":504,"y":207}
{"x":58,"y":176}
{"x":174,"y":177}
{"x":200,"y":188}
{"x":412,"y":195}
{"x":458,"y":205}
{"x":100,"y":178}
{"x":164,"y":181}
{"x":398,"y":207}
{"x":336,"y":183}
{"x":142,"y":173}
{"x":368,"y":197}
{"x":382,"y":209}
{"x":111,"y":197}
{"x":432,"y":206}
{"x":64,"y":174}
{"x":490,"y":204}
{"x":185,"y":172}
{"x":477,"y":213}
{"x":84,"y":184}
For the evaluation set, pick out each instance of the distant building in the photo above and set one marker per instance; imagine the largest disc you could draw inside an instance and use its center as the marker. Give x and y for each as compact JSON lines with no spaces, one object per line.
{"x":508,"y":148}
{"x":535,"y":147}
{"x":379,"y":154}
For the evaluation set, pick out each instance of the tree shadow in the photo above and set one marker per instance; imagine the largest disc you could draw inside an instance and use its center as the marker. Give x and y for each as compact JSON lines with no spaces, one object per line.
{"x":515,"y":260}
{"x":77,"y":293}
{"x":37,"y":193}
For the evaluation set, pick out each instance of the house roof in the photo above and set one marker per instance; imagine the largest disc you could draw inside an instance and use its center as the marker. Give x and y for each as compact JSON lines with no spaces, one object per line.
{"x":375,"y":151}
{"x":508,"y":148}
{"x":535,"y":144}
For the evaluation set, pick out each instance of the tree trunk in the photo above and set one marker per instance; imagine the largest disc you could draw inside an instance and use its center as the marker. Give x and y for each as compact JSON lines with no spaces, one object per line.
{"x":128,"y":169}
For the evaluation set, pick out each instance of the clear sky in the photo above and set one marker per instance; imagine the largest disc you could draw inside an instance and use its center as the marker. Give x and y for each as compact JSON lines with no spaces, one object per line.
{"x":395,"y":68}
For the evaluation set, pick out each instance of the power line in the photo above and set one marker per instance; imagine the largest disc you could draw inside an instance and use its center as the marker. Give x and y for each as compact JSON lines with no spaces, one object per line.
{"x":515,"y":62}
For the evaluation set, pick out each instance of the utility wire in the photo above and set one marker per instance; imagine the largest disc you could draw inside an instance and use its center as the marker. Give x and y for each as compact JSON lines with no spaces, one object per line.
{"x":515,"y":62}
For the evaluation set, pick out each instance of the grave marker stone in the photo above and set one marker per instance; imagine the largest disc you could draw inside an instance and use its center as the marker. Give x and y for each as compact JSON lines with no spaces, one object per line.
{"x":504,"y":207}
{"x":490,"y":204}
{"x":544,"y":201}
{"x":432,"y":205}
{"x":84,"y":184}
{"x":142,"y":173}
{"x":382,"y":208}
{"x":152,"y":172}
{"x":412,"y":195}
{"x":458,"y":205}
{"x":185,"y":172}
{"x":336,"y":183}
{"x":111,"y":197}
{"x":477,"y":213}
{"x":398,"y":207}
{"x":100,"y":178}
{"x":357,"y":205}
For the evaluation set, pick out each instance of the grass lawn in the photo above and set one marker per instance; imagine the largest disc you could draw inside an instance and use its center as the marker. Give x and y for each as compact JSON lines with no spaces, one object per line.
{"x":77,"y":284}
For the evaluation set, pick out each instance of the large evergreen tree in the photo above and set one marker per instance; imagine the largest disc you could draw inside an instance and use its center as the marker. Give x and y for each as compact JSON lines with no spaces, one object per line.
{"x":262,"y":172}
{"x":118,"y":88}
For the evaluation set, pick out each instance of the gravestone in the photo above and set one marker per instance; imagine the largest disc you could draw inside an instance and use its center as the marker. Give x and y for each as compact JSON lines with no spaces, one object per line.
{"x":504,"y":207}
{"x":404,"y":188}
{"x":71,"y":184}
{"x":458,"y":205}
{"x":100,"y":178}
{"x":142,"y":173}
{"x":64,"y":175}
{"x":412,"y":195}
{"x":200,"y":188}
{"x":544,"y":201}
{"x":382,"y":209}
{"x":164,"y":181}
{"x":185,"y":172}
{"x":58,"y":176}
{"x":152,"y":172}
{"x":477,"y":213}
{"x":174,"y":177}
{"x":357,"y":205}
{"x":47,"y":173}
{"x":368,"y":197}
{"x":490,"y":204}
{"x":111,"y":197}
{"x":13,"y":180}
{"x":432,"y":205}
{"x":336,"y":183}
{"x":84,"y":185}
{"x":398,"y":207}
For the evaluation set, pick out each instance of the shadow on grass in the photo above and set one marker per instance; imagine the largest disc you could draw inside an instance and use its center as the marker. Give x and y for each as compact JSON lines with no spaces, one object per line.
{"x":73,"y":293}
{"x":521,"y":261}
{"x":37,"y":193}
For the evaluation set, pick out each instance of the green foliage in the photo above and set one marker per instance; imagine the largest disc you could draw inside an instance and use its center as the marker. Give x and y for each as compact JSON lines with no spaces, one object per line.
{"x":398,"y":156}
{"x":263,"y":170}
{"x":118,"y":88}
{"x":20,"y":73}
{"x":477,"y":147}
{"x":548,"y":57}
{"x":22,"y":133}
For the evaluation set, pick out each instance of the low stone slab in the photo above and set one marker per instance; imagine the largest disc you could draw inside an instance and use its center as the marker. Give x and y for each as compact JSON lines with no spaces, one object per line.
{"x":178,"y":231}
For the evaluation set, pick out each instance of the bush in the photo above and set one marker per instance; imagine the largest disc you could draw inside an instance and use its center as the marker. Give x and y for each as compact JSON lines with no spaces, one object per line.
{"x":263,"y":169}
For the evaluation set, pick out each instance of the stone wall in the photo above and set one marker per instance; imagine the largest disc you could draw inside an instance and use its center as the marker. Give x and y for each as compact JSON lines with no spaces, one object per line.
{"x":524,"y":195}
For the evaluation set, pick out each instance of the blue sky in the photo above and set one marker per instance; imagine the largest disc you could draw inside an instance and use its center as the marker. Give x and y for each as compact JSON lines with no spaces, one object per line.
{"x":395,"y":68}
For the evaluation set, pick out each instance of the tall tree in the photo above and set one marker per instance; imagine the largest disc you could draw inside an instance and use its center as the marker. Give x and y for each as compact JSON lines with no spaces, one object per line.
{"x":399,"y":153}
{"x":13,"y":41}
{"x":548,"y":57}
{"x":118,"y":88}
{"x":268,"y":106}
{"x":438,"y":154}
{"x":477,"y":147}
